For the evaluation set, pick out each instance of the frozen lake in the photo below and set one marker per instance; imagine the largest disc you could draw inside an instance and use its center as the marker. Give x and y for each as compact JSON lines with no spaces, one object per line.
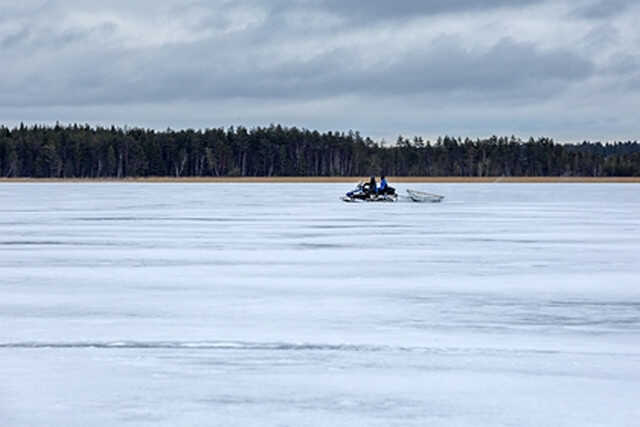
{"x":279,"y":305}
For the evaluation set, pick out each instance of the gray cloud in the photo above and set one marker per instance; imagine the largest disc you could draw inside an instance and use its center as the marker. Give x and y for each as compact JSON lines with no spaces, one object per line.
{"x":507,"y":69}
{"x":255,"y":61}
{"x":603,"y":9}
{"x":384,"y":9}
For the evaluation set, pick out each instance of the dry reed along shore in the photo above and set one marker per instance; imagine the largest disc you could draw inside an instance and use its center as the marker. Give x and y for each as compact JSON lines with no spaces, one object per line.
{"x":297,"y":179}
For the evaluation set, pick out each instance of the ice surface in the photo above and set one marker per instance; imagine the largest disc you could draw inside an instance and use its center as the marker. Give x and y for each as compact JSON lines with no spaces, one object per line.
{"x":277,"y":304}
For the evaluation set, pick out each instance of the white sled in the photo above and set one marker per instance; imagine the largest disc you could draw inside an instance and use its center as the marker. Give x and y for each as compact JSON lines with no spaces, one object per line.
{"x":422,"y":197}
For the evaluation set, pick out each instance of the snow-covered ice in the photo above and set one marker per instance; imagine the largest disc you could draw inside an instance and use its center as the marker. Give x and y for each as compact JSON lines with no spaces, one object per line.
{"x":277,"y":304}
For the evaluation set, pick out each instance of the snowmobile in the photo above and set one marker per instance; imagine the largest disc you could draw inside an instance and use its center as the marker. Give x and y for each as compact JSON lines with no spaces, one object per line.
{"x":363,"y":193}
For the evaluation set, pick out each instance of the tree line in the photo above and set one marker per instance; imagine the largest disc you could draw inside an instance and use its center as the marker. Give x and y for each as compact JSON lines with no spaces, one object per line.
{"x":76,"y":151}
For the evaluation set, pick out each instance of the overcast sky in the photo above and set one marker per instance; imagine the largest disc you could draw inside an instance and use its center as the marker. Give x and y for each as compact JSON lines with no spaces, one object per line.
{"x":569,"y":69}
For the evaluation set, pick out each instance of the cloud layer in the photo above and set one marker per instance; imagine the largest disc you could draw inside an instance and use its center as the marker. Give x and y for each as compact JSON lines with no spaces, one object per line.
{"x":564,"y":68}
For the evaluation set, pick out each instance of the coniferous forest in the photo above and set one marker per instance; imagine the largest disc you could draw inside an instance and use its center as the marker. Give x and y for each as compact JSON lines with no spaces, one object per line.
{"x":90,"y":152}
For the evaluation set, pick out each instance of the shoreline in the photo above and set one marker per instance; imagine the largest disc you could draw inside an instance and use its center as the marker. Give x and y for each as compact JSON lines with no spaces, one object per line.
{"x":284,"y":180}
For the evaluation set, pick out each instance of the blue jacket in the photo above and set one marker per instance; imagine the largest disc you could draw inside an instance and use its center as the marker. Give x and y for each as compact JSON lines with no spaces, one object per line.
{"x":383,"y":185}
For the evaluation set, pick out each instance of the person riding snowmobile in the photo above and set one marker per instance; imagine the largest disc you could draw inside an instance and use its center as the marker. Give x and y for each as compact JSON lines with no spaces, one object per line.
{"x":384,"y":187}
{"x":373,"y":186}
